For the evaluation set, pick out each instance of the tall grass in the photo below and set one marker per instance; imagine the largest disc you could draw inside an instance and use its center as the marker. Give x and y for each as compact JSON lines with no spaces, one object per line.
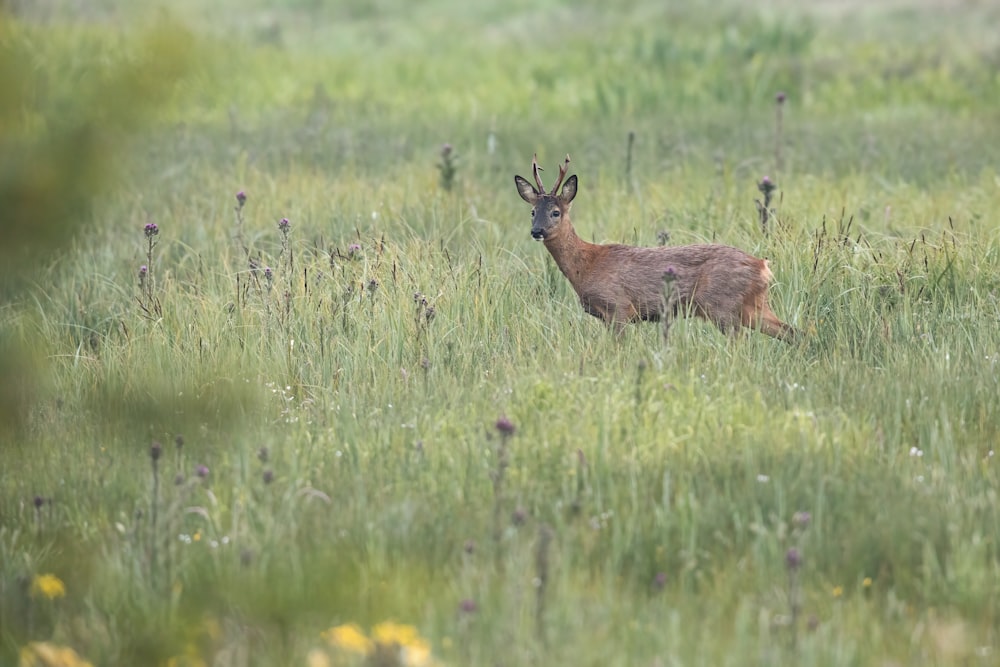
{"x":327,"y":394}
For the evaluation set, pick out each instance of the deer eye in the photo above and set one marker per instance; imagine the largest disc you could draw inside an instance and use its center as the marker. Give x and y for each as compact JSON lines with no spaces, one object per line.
{"x":554,"y":213}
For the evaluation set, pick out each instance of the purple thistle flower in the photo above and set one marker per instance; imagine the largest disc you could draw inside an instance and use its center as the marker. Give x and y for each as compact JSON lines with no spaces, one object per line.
{"x":39,"y":501}
{"x":263,"y":454}
{"x":201,"y":471}
{"x":155,"y":450}
{"x":284,"y":225}
{"x":179,"y":441}
{"x":470,"y":546}
{"x":670,"y":274}
{"x":793,"y":559}
{"x":519,"y":516}
{"x":505,"y":426}
{"x":353,"y":249}
{"x":780,"y":97}
{"x":660,"y":580}
{"x":467,"y":606}
{"x":241,"y":198}
{"x":151,"y":230}
{"x":446,"y":150}
{"x":766,"y":185}
{"x":268,"y":273}
{"x":143,"y":271}
{"x":801,"y":519}
{"x":268,"y":476}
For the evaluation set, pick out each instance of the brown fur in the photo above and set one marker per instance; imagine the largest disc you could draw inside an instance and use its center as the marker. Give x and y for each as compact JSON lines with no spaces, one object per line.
{"x":621,"y":284}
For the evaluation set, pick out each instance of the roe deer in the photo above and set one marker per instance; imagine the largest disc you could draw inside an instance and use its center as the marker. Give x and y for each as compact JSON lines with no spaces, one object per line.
{"x":621,"y":284}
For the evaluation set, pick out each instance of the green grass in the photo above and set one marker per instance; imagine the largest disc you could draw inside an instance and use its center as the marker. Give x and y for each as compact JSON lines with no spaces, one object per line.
{"x":651,"y":486}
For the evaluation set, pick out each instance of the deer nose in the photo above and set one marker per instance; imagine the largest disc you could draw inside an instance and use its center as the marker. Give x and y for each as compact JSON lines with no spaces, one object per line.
{"x":537,"y":234}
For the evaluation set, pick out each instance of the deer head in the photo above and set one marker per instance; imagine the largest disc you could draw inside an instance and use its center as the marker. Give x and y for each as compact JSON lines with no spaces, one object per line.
{"x":548,"y":209}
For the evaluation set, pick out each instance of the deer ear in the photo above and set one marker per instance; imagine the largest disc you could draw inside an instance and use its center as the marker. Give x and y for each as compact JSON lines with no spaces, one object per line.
{"x":569,"y":189}
{"x":526,"y":190}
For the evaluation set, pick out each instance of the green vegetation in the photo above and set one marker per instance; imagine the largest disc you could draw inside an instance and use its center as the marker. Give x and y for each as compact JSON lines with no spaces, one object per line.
{"x":278,"y":438}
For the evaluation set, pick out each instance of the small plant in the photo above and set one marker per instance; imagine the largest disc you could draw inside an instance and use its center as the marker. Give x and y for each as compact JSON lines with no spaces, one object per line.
{"x":286,"y":262}
{"x":793,"y":563}
{"x":155,"y":452}
{"x":505,"y":428}
{"x":148,"y":301}
{"x":764,"y":211}
{"x":448,"y":167}
{"x":542,"y":561}
{"x":241,"y":201}
{"x":669,"y":299}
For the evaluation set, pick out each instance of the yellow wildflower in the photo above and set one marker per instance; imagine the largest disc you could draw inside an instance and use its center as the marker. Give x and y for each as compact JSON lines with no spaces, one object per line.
{"x":43,"y":654}
{"x":389,"y":632}
{"x":867,"y":582}
{"x":191,"y":657}
{"x":348,"y":637}
{"x":838,"y":591}
{"x":317,"y":658}
{"x":414,"y":649}
{"x":48,"y":585}
{"x":417,"y":654}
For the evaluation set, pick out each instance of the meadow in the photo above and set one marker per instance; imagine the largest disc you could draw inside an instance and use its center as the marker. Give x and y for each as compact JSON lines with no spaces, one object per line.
{"x":287,"y":381}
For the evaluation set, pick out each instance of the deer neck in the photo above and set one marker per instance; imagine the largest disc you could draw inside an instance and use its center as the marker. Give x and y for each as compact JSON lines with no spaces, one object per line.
{"x":570,"y":252}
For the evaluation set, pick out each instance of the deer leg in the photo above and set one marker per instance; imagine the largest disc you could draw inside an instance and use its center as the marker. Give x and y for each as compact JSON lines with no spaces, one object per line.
{"x":764,"y":320}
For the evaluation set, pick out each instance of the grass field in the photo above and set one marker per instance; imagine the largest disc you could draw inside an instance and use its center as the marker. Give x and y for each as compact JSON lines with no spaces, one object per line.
{"x":385,"y":433}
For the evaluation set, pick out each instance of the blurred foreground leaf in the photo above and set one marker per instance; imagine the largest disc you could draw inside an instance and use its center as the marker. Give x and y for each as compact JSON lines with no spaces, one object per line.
{"x":74,"y":100}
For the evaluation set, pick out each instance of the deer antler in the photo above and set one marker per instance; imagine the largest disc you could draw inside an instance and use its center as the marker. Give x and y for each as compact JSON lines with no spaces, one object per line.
{"x":535,"y":169}
{"x":562,"y":174}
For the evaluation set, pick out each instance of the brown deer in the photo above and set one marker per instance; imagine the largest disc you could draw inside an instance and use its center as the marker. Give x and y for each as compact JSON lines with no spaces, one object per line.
{"x":621,"y":284}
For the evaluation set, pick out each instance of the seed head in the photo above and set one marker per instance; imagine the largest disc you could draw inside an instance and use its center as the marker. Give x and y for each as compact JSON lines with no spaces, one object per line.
{"x":179,"y":441}
{"x":268,"y":476}
{"x":263,"y":454}
{"x":155,"y":450}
